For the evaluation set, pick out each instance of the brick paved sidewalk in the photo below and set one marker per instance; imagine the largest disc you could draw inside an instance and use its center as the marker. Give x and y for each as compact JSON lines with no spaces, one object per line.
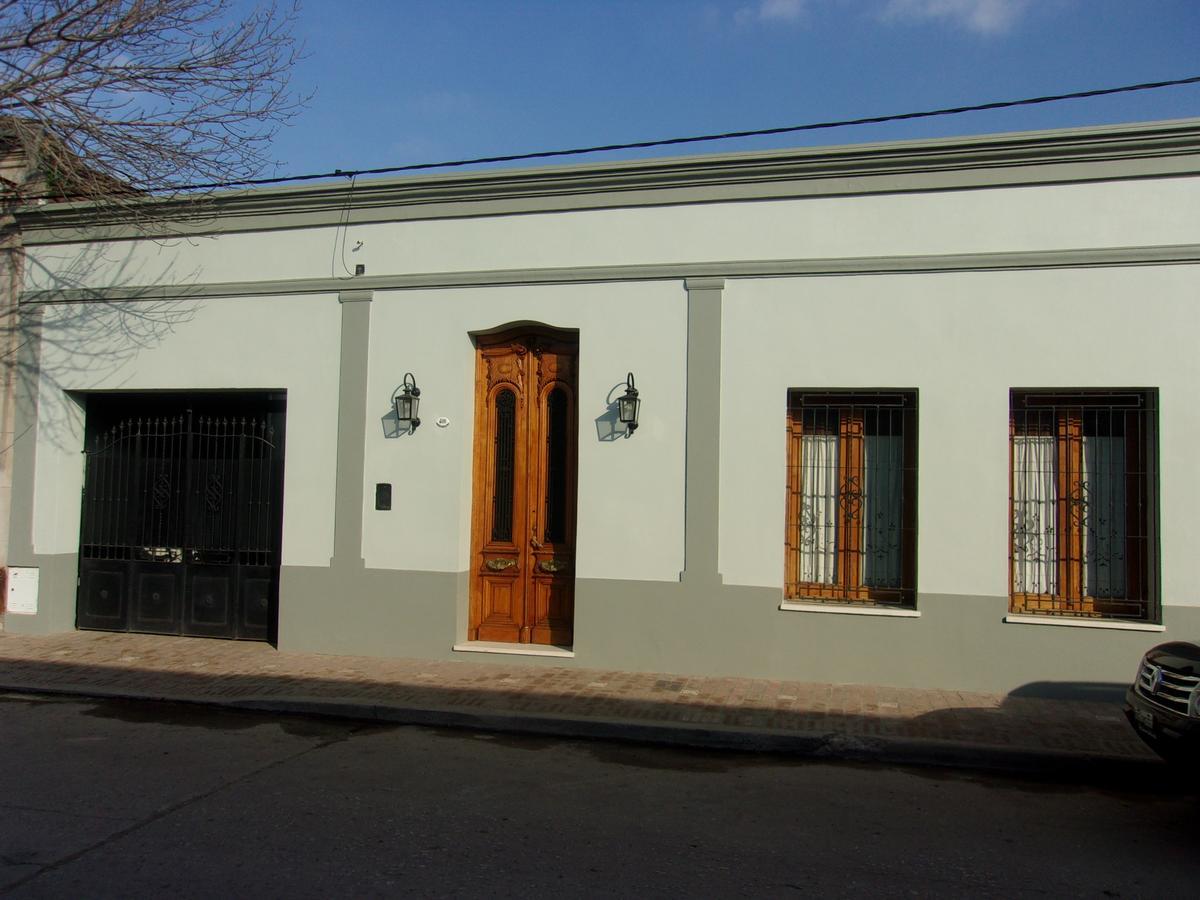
{"x":834,"y":720}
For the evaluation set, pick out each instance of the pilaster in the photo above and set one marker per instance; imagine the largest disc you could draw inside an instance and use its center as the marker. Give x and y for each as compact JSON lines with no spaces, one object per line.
{"x":702,"y":493}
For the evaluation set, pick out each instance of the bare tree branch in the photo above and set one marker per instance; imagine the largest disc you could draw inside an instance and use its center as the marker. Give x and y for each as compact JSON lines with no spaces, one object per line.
{"x":110,"y":99}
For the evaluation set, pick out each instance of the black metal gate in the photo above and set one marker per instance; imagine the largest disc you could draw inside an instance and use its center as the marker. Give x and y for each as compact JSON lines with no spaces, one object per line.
{"x":182,"y":518}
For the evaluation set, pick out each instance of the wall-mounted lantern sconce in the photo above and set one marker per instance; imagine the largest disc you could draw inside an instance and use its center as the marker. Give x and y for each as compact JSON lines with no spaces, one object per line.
{"x":406,"y":400}
{"x":628,"y":405}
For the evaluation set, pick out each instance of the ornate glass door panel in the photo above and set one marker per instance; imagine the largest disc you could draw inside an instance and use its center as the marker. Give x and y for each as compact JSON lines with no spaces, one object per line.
{"x":497,"y":601}
{"x":524,"y":496}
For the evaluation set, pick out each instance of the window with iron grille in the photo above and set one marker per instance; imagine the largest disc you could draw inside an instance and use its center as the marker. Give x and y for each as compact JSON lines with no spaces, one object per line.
{"x":851,"y":500}
{"x":1082,"y":495}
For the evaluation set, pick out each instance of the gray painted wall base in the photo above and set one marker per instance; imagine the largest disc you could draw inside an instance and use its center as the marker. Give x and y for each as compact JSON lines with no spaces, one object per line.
{"x":371,"y":612}
{"x":57,"y":577}
{"x":957,"y":643}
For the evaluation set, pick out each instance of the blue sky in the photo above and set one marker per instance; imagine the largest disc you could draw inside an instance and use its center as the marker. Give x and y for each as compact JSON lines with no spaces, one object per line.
{"x":401,"y":82}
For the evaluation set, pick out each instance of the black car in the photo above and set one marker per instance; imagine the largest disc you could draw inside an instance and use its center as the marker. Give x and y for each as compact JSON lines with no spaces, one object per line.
{"x":1163,"y":703}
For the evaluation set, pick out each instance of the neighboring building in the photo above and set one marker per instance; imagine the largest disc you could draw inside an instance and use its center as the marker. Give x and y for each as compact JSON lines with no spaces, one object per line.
{"x":11,"y":175}
{"x":18,"y":179}
{"x":916,"y":413}
{"x":25,"y":155}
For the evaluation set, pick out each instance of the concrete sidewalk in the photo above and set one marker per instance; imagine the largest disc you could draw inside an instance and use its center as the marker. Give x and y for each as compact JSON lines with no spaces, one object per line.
{"x":858,"y":722}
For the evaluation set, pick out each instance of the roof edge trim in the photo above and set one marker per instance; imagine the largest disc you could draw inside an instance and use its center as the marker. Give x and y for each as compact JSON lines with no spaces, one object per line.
{"x":943,"y":163}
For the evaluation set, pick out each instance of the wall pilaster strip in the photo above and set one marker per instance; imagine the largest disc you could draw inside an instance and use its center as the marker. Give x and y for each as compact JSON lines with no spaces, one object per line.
{"x":23,"y":451}
{"x":703,"y":437}
{"x":351,"y":430}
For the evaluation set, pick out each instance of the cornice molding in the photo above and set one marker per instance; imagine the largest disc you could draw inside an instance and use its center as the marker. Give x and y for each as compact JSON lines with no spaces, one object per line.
{"x":696,"y":275}
{"x":1156,"y":149}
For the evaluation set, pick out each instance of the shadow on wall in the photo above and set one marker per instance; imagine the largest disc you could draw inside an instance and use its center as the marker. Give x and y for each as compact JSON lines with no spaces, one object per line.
{"x":84,"y":342}
{"x":393,"y":427}
{"x":608,"y":423}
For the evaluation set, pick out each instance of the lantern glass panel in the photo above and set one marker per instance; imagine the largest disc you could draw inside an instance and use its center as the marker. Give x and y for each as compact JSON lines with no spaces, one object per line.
{"x":406,"y":407}
{"x":628,"y":409}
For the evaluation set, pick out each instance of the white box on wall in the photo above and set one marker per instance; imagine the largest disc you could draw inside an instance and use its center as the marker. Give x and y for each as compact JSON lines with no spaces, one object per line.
{"x":22,"y":591}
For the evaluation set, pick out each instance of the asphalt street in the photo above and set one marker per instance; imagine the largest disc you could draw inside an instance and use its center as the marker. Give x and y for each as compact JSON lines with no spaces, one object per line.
{"x":119,"y":799}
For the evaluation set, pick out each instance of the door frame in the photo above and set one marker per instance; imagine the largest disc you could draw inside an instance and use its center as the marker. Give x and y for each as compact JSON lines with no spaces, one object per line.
{"x":535,"y":566}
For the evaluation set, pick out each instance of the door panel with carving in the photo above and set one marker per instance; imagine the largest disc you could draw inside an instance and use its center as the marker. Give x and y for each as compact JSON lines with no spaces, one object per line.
{"x":523,"y":526}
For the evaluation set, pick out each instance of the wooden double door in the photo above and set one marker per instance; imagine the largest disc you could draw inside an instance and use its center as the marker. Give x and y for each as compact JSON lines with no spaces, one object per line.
{"x":523,"y":522}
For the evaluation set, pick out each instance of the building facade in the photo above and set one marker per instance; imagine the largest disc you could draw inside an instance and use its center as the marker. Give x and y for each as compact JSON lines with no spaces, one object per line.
{"x":916,"y":413}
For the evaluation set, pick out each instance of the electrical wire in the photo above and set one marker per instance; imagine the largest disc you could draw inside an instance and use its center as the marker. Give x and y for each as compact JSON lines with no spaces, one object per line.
{"x":728,"y":135}
{"x":342,"y":230}
{"x":693,"y":139}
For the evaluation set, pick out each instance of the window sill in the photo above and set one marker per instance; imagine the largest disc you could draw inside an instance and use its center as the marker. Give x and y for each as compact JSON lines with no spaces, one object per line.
{"x":839,"y":609}
{"x":514,"y":649}
{"x":1071,"y":622}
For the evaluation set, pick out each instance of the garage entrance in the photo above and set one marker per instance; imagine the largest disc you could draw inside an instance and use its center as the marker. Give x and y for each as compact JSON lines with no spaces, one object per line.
{"x":182,"y":514}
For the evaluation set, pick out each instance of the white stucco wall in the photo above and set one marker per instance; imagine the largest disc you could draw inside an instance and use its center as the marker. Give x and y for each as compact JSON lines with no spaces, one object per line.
{"x":286,"y":343}
{"x":962,"y":340}
{"x":630,"y":499}
{"x":1054,"y":217}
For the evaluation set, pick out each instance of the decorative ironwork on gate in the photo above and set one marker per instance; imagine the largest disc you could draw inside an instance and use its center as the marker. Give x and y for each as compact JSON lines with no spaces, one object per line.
{"x":189,"y":488}
{"x":181,"y":520}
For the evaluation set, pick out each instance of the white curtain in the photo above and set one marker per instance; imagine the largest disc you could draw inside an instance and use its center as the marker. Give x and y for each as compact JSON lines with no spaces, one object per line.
{"x":883,"y":493}
{"x":1104,"y":517}
{"x":1034,"y":533}
{"x":818,"y":508}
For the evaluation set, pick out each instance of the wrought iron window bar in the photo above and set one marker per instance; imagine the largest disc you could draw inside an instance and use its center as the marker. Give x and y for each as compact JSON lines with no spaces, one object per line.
{"x":1082,"y":503}
{"x":851,"y":510}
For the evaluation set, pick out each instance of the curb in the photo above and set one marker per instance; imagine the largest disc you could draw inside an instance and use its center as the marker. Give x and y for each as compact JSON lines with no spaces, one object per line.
{"x":1062,"y":765}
